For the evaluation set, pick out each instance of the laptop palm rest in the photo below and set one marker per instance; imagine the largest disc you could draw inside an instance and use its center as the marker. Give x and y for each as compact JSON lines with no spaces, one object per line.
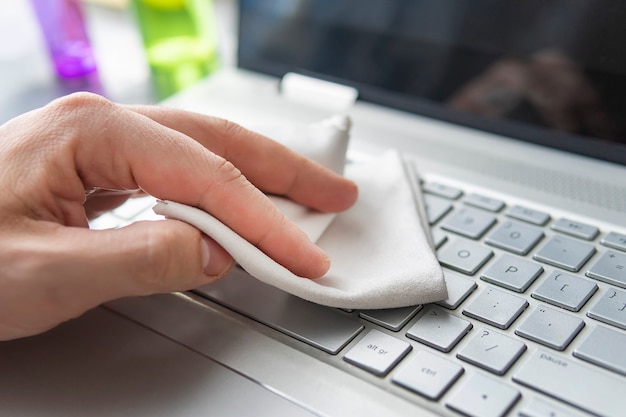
{"x":102,"y":364}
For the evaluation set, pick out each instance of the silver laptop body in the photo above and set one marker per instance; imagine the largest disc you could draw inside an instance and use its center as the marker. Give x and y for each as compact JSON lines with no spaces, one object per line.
{"x":532,"y":239}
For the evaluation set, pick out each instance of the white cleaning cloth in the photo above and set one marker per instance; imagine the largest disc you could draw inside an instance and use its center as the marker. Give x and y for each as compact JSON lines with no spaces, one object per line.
{"x":379,"y":250}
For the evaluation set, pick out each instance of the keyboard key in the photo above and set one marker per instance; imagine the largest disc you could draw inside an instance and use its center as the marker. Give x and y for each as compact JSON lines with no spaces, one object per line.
{"x":492,"y":351}
{"x":481,"y":396}
{"x":537,"y":217}
{"x":483,"y":202}
{"x":438,"y":237}
{"x":550,"y":327}
{"x":539,"y":407}
{"x":566,"y":253}
{"x":469,"y":222}
{"x":436,"y":208}
{"x":582,"y":386}
{"x":442,"y":190}
{"x":615,"y":241}
{"x":604,"y":347}
{"x":377,"y":352}
{"x":513,"y":273}
{"x":393,"y":318}
{"x":565,"y":291}
{"x":496,"y":307}
{"x":463,"y":256}
{"x":611,"y":268}
{"x":321,"y":327}
{"x":427,"y":374}
{"x":439,"y":330}
{"x":515,"y":237}
{"x":576,"y":229}
{"x":459,"y":289}
{"x":610,"y":309}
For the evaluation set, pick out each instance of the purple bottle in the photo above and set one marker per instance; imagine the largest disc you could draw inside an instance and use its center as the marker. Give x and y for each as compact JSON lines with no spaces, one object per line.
{"x":63,"y":25}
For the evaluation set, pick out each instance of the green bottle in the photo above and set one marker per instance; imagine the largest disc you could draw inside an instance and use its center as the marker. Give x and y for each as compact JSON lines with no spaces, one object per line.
{"x":179,"y":38}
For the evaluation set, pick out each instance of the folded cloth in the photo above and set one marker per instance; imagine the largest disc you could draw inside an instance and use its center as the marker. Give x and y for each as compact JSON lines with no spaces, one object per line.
{"x":379,"y":249}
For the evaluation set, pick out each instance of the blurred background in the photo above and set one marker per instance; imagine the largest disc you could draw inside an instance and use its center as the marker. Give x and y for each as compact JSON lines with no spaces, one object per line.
{"x":117,"y":31}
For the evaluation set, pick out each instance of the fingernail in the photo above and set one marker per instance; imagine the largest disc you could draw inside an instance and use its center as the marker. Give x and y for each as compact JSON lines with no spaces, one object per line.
{"x":323,"y":265}
{"x":216,"y":262}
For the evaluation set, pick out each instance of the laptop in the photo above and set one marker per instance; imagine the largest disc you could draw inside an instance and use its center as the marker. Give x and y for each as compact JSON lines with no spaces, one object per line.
{"x":513,"y":114}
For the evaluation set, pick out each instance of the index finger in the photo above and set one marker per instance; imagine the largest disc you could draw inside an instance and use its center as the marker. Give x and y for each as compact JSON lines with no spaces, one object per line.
{"x":269,"y":165}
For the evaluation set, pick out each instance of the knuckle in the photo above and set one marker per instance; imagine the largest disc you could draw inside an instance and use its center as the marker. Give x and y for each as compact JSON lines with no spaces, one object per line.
{"x":226,"y":176}
{"x":71,"y":114}
{"x":229,"y":128}
{"x":79,"y":101}
{"x":227,"y":171}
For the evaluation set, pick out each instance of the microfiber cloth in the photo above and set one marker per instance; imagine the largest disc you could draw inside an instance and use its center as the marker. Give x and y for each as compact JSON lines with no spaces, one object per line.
{"x":380,"y":251}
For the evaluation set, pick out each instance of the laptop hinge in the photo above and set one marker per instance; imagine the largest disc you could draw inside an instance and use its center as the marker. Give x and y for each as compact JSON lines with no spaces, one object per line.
{"x":319,"y":93}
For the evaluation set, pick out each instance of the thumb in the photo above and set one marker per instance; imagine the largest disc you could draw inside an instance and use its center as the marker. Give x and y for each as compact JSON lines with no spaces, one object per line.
{"x":157,"y":256}
{"x":140,"y":259}
{"x":65,"y":271}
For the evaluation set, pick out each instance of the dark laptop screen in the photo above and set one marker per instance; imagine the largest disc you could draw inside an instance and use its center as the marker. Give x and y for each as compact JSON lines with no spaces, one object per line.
{"x":550,"y":72}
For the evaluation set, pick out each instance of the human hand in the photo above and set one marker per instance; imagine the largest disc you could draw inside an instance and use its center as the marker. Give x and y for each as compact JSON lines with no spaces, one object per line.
{"x":82,"y":154}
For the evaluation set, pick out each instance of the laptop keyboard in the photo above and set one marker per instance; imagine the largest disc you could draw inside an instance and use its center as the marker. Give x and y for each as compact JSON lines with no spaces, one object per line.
{"x":534,"y":323}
